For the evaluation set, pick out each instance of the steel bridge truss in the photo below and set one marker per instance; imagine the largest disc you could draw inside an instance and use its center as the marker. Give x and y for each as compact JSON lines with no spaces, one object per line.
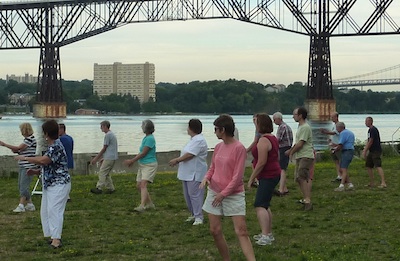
{"x":53,"y":24}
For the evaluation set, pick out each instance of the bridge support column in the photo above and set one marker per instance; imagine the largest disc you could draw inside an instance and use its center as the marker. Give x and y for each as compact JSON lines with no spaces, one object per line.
{"x":320,"y":102}
{"x":49,"y":97}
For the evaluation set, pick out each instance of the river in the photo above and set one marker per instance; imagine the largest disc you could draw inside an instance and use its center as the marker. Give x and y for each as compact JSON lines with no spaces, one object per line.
{"x":170,"y":130}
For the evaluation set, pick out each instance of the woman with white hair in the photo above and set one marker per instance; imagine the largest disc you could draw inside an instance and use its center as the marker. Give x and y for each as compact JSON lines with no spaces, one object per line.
{"x":147,"y":165}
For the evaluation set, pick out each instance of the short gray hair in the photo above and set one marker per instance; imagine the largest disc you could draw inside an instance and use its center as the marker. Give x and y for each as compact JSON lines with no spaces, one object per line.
{"x":277,"y":115}
{"x":148,"y":126}
{"x":341,"y":124}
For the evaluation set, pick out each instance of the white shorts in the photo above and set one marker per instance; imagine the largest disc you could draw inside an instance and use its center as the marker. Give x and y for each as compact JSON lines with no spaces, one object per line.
{"x":233,"y":205}
{"x":147,"y":172}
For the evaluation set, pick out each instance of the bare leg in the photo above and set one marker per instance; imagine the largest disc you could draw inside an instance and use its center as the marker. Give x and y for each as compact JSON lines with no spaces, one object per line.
{"x":371,"y":176}
{"x":382,"y":175}
{"x":282,"y":182}
{"x":264,"y":217}
{"x":305,"y":189}
{"x":241,"y":232}
{"x":144,"y":193}
{"x":219,"y":239}
{"x":338,"y":170}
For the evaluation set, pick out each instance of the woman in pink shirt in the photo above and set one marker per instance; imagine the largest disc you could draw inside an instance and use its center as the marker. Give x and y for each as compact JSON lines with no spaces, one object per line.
{"x":225,"y":196}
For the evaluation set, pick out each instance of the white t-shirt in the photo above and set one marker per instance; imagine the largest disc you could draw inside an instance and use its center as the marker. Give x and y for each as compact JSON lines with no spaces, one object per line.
{"x":195,"y":168}
{"x":335,"y":138}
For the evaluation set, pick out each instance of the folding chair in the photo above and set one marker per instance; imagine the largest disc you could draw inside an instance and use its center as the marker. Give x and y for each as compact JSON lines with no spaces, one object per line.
{"x":38,"y":181}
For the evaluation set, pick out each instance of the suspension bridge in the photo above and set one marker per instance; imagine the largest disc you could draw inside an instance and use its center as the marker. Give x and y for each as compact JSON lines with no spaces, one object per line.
{"x":383,"y":77}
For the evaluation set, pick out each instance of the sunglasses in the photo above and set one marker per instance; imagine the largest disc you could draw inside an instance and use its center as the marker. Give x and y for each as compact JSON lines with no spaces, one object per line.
{"x":218,"y":128}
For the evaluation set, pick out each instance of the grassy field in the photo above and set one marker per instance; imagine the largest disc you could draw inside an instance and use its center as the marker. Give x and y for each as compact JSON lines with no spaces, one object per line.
{"x":354,"y":225}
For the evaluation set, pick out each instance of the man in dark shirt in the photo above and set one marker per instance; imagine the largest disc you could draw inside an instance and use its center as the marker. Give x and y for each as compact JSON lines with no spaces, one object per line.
{"x":372,"y":153}
{"x":68,"y":143}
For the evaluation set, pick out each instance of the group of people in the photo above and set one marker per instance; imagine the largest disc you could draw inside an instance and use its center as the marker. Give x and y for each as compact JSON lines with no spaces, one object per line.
{"x":56,"y":180}
{"x":224,"y":178}
{"x":342,"y":141}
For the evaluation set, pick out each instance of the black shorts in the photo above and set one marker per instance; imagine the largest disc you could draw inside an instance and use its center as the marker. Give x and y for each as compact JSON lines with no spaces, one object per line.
{"x":265,"y":190}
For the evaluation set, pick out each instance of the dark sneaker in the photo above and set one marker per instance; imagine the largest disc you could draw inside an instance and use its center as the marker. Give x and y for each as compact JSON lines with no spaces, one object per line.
{"x":96,"y":191}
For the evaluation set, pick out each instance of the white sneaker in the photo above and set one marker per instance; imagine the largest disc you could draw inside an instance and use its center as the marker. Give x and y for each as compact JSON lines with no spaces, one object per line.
{"x":340,"y":189}
{"x":140,"y":208}
{"x":30,"y":207}
{"x":19,"y":209}
{"x":150,"y":206}
{"x":264,"y":240}
{"x":258,"y":236}
{"x":350,"y":187}
{"x":190,"y":219}
{"x":198,"y":222}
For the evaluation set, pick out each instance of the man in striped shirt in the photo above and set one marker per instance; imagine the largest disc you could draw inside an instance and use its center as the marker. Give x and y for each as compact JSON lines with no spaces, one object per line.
{"x":284,"y":135}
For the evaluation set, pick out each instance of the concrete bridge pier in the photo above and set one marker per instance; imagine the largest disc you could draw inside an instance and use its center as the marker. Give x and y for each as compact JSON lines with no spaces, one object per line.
{"x":319,"y":115}
{"x":50,"y":110}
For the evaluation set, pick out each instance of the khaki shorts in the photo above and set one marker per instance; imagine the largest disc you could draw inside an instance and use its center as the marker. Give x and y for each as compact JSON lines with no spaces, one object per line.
{"x":233,"y":205}
{"x":147,"y":172}
{"x":303,"y":167}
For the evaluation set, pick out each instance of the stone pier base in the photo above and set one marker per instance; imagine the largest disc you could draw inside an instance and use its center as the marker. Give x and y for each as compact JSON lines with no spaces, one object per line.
{"x":319,"y":116}
{"x":50,"y":110}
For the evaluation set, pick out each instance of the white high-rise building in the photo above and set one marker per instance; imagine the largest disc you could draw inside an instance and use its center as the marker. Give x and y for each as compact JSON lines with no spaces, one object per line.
{"x":134,"y":79}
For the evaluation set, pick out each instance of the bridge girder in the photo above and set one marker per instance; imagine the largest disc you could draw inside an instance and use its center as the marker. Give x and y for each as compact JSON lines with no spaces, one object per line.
{"x":53,"y":24}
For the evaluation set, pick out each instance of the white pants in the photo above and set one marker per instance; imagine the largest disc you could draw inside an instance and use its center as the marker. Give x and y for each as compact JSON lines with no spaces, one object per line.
{"x":54,"y":200}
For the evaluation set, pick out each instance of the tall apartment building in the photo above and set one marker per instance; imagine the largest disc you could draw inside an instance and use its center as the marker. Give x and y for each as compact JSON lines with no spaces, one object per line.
{"x":135,"y":79}
{"x":27,"y":78}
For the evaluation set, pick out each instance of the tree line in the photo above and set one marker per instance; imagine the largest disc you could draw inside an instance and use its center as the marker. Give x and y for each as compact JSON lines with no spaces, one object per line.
{"x":228,"y":96}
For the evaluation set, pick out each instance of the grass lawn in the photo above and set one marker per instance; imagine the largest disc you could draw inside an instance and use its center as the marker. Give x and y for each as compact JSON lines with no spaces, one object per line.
{"x":352,"y":225}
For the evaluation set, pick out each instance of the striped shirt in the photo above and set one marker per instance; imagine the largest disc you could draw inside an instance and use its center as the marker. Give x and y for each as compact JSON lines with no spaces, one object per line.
{"x":29,"y":151}
{"x":284,"y":135}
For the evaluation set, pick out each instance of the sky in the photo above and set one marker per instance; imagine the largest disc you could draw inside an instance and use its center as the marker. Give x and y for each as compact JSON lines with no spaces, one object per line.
{"x":203,"y":50}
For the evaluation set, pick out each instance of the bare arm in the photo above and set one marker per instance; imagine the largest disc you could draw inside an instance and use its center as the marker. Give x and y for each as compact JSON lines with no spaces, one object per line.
{"x":184,"y":157}
{"x":95,"y":159}
{"x":296,"y":148}
{"x":367,"y":146}
{"x":38,"y":160}
{"x":263,"y":147}
{"x":137,"y":157}
{"x":253,"y":143}
{"x":14,"y":149}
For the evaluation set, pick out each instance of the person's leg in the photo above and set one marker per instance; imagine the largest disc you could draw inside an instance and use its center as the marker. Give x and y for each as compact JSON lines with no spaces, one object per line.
{"x":239,"y":223}
{"x":108,"y":183}
{"x":264,"y":219}
{"x":44,"y":214}
{"x":369,"y":164}
{"x":25,"y":187}
{"x":196,"y":196}
{"x":371,"y":176}
{"x":103,"y":172}
{"x":382,"y":175}
{"x":338,"y":170}
{"x":219,"y":239}
{"x":305,"y":190}
{"x":282,"y":183}
{"x":56,"y":208}
{"x":144,"y":194}
{"x":187,"y":197}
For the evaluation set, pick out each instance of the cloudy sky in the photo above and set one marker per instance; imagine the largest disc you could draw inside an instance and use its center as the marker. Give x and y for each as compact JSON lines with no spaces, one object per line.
{"x":185,"y":51}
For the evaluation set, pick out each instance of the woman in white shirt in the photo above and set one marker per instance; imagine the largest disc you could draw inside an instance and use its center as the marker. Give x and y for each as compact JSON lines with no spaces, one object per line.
{"x":192,"y":168}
